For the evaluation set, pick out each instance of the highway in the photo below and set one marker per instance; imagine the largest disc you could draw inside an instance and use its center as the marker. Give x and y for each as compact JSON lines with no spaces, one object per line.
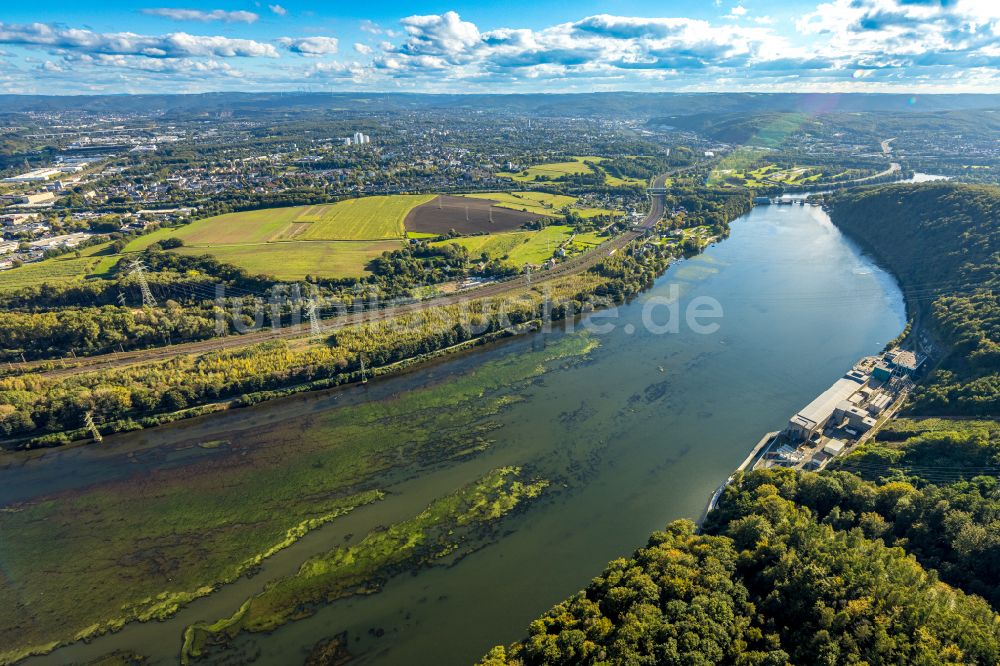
{"x":68,"y":367}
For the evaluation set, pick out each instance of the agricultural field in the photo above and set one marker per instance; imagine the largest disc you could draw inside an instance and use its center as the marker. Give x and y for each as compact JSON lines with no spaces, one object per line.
{"x":542,"y":203}
{"x":468,"y":215}
{"x":368,"y":218}
{"x":328,"y":240}
{"x":528,"y":247}
{"x":63,"y":269}
{"x":291,"y":260}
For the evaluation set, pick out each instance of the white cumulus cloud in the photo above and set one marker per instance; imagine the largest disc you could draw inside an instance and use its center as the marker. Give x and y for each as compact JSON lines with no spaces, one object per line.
{"x":311,"y":46}
{"x":179,"y":14}
{"x":177,"y":44}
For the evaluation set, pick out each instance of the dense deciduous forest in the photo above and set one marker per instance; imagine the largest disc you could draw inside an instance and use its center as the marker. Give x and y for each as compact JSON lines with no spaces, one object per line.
{"x":892,"y":554}
{"x":942,"y":242}
{"x":804,"y":568}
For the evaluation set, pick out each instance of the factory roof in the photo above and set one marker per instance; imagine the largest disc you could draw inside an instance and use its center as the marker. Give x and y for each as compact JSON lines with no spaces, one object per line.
{"x":834,"y":447}
{"x":822,"y":407}
{"x":905,"y":359}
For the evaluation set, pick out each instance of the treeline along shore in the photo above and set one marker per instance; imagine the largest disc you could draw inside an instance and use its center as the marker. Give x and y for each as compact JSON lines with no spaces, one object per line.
{"x":52,"y":408}
{"x":889,"y":555}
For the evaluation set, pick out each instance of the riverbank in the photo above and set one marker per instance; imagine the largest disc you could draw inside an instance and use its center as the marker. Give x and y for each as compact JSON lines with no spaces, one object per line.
{"x":638,"y":428}
{"x":197,"y":532}
{"x":258,"y":372}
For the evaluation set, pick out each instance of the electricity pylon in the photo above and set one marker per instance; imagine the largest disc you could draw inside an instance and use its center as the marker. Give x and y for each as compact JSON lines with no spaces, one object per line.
{"x":312,"y":311}
{"x":137,"y":268}
{"x":88,"y":420}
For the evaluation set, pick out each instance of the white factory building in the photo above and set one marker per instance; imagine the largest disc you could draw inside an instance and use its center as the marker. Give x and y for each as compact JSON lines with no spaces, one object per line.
{"x":38,"y":175}
{"x":814,"y":416}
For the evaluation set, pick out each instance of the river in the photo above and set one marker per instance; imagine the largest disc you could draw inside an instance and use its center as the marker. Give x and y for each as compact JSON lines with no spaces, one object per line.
{"x":642,"y":432}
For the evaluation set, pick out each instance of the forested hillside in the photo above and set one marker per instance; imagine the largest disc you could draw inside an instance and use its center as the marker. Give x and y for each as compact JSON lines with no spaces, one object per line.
{"x":771,"y":581}
{"x":881,"y":561}
{"x":942,"y":241}
{"x":889,"y":556}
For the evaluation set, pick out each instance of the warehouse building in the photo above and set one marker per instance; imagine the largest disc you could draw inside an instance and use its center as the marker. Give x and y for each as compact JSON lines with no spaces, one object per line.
{"x":814,"y":416}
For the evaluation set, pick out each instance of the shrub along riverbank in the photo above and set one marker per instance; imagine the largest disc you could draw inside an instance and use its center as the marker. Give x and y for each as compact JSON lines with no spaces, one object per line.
{"x":45,"y":411}
{"x":138,"y":545}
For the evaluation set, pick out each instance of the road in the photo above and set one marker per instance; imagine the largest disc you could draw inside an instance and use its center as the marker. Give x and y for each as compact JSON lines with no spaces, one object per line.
{"x":68,"y":367}
{"x":893,"y":168}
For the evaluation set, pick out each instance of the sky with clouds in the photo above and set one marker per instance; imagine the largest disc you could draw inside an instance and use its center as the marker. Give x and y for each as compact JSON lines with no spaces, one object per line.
{"x":122,"y":46}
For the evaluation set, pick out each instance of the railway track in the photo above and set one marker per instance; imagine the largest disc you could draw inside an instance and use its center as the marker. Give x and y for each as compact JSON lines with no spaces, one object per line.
{"x":584,"y":262}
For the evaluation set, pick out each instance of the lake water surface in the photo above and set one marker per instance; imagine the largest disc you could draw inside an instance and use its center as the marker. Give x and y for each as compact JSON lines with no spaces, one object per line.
{"x":639,"y":435}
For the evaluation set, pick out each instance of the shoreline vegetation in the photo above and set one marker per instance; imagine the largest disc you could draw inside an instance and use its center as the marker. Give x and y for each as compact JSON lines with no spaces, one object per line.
{"x":202,"y":525}
{"x":302,"y":364}
{"x":253,"y":374}
{"x":44,"y":411}
{"x":890,"y":555}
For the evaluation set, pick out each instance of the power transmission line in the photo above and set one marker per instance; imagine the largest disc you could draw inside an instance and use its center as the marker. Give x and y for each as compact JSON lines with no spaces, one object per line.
{"x":137,"y":268}
{"x":312,"y":312}
{"x":88,"y":420}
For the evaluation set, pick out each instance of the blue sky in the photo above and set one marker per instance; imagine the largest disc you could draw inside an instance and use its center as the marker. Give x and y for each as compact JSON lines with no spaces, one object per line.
{"x":63,"y":47}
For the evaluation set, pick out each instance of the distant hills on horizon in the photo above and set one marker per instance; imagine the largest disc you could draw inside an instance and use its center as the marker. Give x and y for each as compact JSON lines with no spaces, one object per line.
{"x":596,"y":104}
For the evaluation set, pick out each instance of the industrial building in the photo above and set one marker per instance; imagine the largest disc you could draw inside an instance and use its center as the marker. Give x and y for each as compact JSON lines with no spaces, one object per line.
{"x":814,"y":416}
{"x":882,"y":372}
{"x":906,"y":362}
{"x":35,"y":176}
{"x":857,"y":417}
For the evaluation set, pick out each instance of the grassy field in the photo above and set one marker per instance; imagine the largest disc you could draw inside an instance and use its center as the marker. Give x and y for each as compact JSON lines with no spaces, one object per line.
{"x":554,"y":170}
{"x":577,"y":165}
{"x":615,"y":181}
{"x":744,"y":176}
{"x":368,"y":218}
{"x":291,"y":260}
{"x":528,"y":247}
{"x":59,"y":270}
{"x":542,"y":203}
{"x":331,"y":240}
{"x":328,"y":240}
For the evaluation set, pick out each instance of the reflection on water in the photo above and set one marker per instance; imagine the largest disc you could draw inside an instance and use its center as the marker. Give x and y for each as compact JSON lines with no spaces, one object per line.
{"x":637,"y":436}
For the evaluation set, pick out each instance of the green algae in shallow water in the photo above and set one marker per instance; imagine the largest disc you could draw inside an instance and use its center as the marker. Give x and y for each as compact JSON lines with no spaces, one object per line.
{"x":119,"y":658}
{"x":158,"y":586}
{"x":88,"y":561}
{"x":446,"y":527}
